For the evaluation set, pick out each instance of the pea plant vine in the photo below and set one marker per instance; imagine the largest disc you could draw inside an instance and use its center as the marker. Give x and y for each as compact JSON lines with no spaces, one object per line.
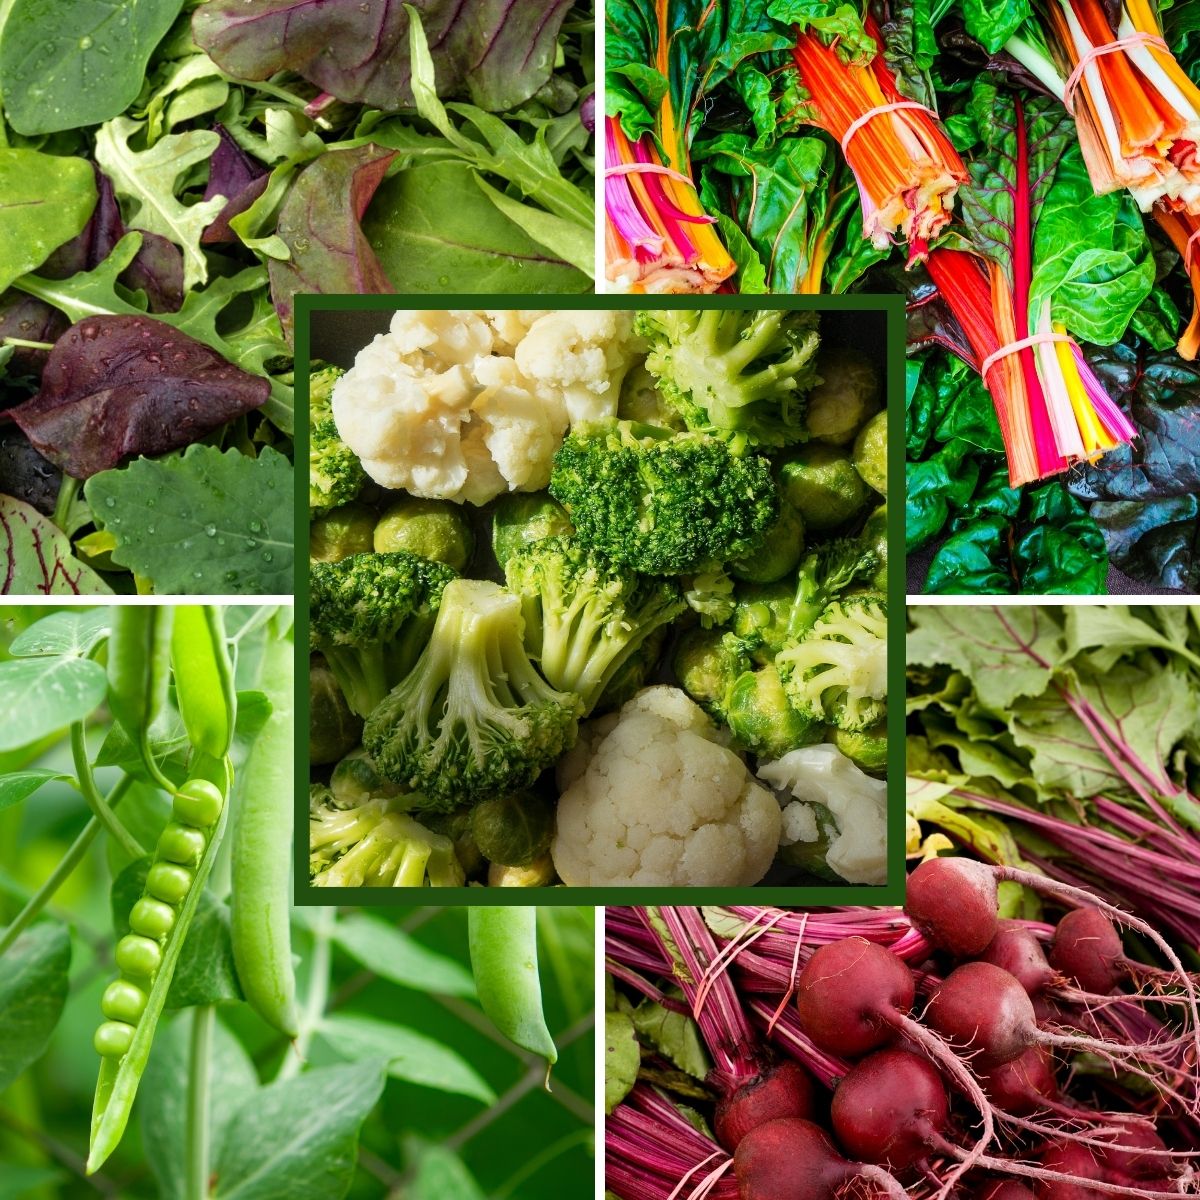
{"x":171,"y":1026}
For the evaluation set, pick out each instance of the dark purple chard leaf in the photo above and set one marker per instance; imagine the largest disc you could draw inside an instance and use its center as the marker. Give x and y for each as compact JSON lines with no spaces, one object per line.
{"x":157,"y":271}
{"x":496,"y":52}
{"x":116,"y":386}
{"x":30,"y":320}
{"x":232,"y":173}
{"x":319,"y":221}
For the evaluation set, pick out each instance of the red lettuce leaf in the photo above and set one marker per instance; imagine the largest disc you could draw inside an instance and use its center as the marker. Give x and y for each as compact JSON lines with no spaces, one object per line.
{"x":319,"y":221}
{"x":232,"y":173}
{"x":497,"y":52}
{"x":115,"y":386}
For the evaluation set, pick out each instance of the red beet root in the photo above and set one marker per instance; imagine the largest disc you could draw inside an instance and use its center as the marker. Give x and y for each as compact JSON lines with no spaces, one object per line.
{"x":783,"y":1090}
{"x":1087,"y":949}
{"x":953,"y":902}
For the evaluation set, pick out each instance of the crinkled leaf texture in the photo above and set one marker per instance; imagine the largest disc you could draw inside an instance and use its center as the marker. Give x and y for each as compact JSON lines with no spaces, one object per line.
{"x":319,"y":222}
{"x":497,"y":52}
{"x":36,"y":559}
{"x":116,"y":386}
{"x":206,"y":523}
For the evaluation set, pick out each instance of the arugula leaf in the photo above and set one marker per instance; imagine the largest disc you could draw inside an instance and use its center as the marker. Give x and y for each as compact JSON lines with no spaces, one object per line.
{"x":71,"y":63}
{"x":36,"y":556}
{"x":149,"y":180}
{"x":204,"y":523}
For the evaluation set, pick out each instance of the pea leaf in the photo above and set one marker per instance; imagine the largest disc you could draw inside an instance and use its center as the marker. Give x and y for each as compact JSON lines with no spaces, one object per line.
{"x":206,"y":523}
{"x":116,"y":386}
{"x":20,"y":785}
{"x":71,"y":63}
{"x":33,"y":990}
{"x":442,"y":1175}
{"x":40,"y":695}
{"x":306,"y":1128}
{"x":45,"y":200}
{"x":409,"y":1055}
{"x":149,"y":179}
{"x":74,"y":633}
{"x":36,"y":559}
{"x":396,"y":956}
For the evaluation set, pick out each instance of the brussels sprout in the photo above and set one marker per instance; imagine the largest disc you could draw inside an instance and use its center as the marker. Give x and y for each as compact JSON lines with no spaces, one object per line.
{"x":341,"y":533}
{"x":866,"y":748}
{"x":760,"y":717}
{"x":875,"y":536}
{"x":456,"y":826}
{"x":761,"y":617}
{"x":513,"y":830}
{"x":870,"y":452}
{"x":706,"y":664}
{"x":846,"y":396}
{"x":434,"y":529}
{"x":779,"y":553}
{"x":333,"y":730}
{"x":539,"y":873}
{"x":356,"y":779}
{"x":632,"y":674}
{"x":821,"y":483}
{"x":523,"y":518}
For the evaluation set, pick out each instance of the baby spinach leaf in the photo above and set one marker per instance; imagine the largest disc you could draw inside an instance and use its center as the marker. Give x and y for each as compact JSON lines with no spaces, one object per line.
{"x":36,"y":559}
{"x":71,"y":63}
{"x":149,"y":179}
{"x":206,"y":523}
{"x":499,"y":52}
{"x":45,"y":201}
{"x":319,"y":223}
{"x":116,"y":386}
{"x":427,"y":245}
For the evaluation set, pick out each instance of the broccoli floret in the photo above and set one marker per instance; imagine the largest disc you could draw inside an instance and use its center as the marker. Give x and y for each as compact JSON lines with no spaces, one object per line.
{"x":473,"y":718}
{"x":373,"y":845}
{"x":583,"y":614}
{"x":710,"y":595}
{"x":632,"y":674}
{"x":663,"y":503}
{"x":370,"y":616}
{"x":335,"y":476}
{"x":837,"y":672}
{"x":735,"y":372}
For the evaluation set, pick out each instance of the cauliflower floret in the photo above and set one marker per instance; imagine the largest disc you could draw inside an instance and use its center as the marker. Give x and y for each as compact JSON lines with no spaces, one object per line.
{"x":510,"y":325}
{"x":434,"y":339}
{"x":522,"y":431}
{"x":582,"y":356}
{"x":655,"y":801}
{"x":483,"y":480}
{"x":824,"y":775}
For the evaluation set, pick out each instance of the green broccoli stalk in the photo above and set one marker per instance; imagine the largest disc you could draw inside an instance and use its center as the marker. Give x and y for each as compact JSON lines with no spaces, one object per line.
{"x":335,"y":476}
{"x":663,"y":503}
{"x":473,"y":718}
{"x":370,"y":615}
{"x":837,"y":672}
{"x":732,"y":372}
{"x":584,"y":616}
{"x":371,"y":845}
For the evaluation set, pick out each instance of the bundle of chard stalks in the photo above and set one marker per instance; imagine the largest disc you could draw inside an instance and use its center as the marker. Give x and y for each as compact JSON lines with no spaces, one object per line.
{"x":933,"y":1052}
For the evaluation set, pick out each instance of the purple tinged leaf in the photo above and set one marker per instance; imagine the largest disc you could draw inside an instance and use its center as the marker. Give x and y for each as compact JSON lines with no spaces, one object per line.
{"x":116,"y":386}
{"x":233,"y":174}
{"x":31,"y":320}
{"x":319,"y":221}
{"x":497,"y":52}
{"x":157,"y":270}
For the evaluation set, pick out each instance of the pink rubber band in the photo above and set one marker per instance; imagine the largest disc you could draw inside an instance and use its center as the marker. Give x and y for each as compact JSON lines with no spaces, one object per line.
{"x":871,"y":113}
{"x":1189,"y":250}
{"x":1094,"y":52}
{"x":647,"y":168}
{"x":1033,"y":340}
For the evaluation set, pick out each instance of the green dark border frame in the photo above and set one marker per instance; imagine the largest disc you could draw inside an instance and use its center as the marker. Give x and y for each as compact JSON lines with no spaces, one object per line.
{"x":306,"y":305}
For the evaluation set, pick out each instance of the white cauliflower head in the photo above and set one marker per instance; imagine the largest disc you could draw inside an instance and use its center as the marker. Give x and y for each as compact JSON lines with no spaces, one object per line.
{"x":656,"y":801}
{"x":823,"y":775}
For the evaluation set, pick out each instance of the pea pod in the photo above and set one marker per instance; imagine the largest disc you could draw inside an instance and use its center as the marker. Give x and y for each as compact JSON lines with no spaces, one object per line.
{"x":203,"y":678}
{"x":261,"y":864}
{"x":139,"y":670}
{"x":503,"y":944}
{"x":147,"y":955}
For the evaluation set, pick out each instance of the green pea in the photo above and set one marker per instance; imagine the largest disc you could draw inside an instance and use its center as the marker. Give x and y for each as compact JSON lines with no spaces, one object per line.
{"x":198,"y":803}
{"x":180,"y":844}
{"x":168,"y":882}
{"x":113,"y":1039}
{"x":123,"y":1001}
{"x":151,"y":918}
{"x":137,"y":955}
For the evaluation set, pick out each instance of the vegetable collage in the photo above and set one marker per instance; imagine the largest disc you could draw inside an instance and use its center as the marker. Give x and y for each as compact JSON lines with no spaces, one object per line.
{"x":235,"y":1045}
{"x":1024,"y":174}
{"x":558,"y":554}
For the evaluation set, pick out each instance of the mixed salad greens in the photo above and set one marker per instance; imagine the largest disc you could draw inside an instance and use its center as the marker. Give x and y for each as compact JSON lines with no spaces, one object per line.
{"x":561,"y":558}
{"x":1024,"y":173}
{"x":172,"y":173}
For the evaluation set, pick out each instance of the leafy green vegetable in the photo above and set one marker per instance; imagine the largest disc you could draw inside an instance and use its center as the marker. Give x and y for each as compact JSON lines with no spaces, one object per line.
{"x":36,"y":556}
{"x":209,"y":522}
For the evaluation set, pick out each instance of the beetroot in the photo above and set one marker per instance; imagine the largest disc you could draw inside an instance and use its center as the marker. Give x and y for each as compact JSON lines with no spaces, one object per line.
{"x":1087,"y":949}
{"x":953,"y":902}
{"x":984,"y":1010}
{"x":1023,"y":1085}
{"x":1137,"y":1152}
{"x":783,"y":1090}
{"x":1006,"y":1190}
{"x":889,"y":1109}
{"x":793,"y":1159}
{"x":1015,"y":949}
{"x":1069,"y":1158}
